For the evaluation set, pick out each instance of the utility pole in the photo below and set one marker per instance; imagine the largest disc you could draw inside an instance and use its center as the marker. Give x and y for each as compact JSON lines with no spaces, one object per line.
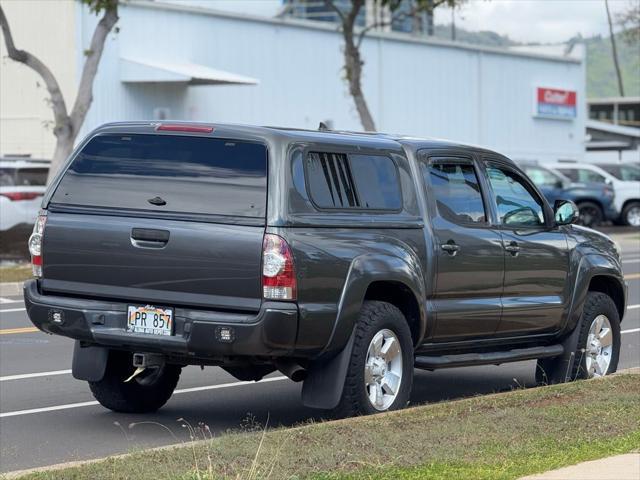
{"x":453,"y":23}
{"x":615,"y":51}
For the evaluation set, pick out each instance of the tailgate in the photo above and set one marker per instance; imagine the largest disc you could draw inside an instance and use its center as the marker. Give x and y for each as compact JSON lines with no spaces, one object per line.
{"x":201,"y":264}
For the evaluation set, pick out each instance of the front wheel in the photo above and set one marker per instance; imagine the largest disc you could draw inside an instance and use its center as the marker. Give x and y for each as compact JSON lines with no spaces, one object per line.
{"x":380,"y":373}
{"x":598,"y":348}
{"x":145,"y":393}
{"x":590,"y":214}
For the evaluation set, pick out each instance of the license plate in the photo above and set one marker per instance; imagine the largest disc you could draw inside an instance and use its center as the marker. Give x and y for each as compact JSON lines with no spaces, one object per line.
{"x":149,"y":319}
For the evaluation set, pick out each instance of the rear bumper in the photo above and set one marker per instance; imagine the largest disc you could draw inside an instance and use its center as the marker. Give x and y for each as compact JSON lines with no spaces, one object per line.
{"x":270,"y":332}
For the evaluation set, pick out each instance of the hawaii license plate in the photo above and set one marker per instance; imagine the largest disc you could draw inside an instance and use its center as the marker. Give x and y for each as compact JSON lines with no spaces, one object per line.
{"x":149,"y":319}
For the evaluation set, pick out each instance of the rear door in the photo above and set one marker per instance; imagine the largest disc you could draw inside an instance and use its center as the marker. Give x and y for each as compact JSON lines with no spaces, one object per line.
{"x":536,"y":255}
{"x":165,"y":219}
{"x":470,"y":257}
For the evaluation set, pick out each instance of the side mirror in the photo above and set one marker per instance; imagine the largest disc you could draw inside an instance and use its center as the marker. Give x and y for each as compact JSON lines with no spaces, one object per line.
{"x":565,"y":212}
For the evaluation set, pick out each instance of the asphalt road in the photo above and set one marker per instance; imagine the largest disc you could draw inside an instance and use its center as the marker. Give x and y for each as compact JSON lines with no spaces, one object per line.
{"x":47,"y":417}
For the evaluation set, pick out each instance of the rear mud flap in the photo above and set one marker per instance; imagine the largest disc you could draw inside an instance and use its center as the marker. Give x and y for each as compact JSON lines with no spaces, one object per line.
{"x":89,"y":363}
{"x":325,"y":379}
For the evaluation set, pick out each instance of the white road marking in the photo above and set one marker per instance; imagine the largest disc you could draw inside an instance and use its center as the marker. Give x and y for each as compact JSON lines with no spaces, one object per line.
{"x":8,"y":310}
{"x":68,"y":406}
{"x":633,"y":307}
{"x":631,"y":330}
{"x":9,"y":300}
{"x":34,"y":375}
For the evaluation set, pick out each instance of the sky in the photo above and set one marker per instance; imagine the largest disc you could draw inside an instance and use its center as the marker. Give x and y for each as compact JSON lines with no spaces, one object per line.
{"x":535,"y":20}
{"x":545,"y":21}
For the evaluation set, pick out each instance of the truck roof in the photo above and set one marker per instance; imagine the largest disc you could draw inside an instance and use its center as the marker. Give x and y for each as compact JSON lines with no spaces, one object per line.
{"x":274,"y":133}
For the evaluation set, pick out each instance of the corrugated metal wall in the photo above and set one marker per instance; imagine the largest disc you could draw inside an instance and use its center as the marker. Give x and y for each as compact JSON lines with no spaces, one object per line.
{"x":435,"y":90}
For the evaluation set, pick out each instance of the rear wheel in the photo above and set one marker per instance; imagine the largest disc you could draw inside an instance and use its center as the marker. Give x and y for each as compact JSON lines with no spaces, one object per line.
{"x":380,"y":372}
{"x":590,"y":214}
{"x":598,"y":348}
{"x":631,"y":214}
{"x":145,"y":393}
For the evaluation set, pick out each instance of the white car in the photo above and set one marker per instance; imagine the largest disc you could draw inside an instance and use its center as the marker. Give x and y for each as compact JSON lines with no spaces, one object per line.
{"x":22,"y":185}
{"x":627,"y":192}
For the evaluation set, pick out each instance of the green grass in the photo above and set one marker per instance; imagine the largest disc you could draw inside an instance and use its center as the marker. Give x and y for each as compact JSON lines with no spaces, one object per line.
{"x":15,"y":273}
{"x":502,"y":436}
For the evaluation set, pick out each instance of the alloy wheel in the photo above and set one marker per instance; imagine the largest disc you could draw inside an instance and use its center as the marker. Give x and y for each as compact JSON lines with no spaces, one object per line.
{"x":383,"y":369}
{"x":599,"y":348}
{"x":633,"y":216}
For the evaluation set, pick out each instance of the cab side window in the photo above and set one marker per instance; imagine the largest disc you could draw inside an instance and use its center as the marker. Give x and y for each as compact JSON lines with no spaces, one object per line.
{"x":456,"y":191}
{"x":518,"y":206}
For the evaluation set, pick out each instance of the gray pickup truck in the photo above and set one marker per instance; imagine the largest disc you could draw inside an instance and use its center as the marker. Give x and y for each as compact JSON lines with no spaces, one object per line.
{"x":343,"y":260}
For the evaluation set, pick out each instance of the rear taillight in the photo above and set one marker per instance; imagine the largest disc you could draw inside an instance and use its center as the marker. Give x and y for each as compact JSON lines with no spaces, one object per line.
{"x":16,"y":196}
{"x":35,"y":245}
{"x":278,"y":272}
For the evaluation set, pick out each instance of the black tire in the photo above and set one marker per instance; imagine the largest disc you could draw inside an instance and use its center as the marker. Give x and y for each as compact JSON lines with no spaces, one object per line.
{"x":591,"y":214}
{"x":628,"y":213}
{"x":551,"y":370}
{"x":375,"y":316}
{"x":143,"y":394}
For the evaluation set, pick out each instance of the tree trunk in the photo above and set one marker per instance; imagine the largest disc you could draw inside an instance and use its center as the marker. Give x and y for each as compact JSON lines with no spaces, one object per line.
{"x":64,"y":147}
{"x":429,"y":14}
{"x":353,"y":66}
{"x":615,"y":53}
{"x":67,"y":125}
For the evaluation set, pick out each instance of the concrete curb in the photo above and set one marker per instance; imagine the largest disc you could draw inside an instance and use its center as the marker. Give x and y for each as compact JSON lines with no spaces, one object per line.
{"x":10,"y":288}
{"x":619,"y":467}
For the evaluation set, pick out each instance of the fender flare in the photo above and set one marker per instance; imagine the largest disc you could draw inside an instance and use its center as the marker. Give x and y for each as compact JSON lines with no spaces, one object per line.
{"x":590,"y":266}
{"x":327,"y":373}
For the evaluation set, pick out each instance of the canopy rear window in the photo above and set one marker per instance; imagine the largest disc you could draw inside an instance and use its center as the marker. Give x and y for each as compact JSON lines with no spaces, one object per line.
{"x":168,"y":173}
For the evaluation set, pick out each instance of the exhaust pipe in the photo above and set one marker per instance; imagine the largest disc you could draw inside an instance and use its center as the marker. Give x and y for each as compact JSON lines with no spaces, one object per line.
{"x":292,"y":369}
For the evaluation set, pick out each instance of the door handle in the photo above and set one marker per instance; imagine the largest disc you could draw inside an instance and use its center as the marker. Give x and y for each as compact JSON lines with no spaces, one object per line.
{"x":149,"y":237}
{"x":450,"y":247}
{"x":512,"y":248}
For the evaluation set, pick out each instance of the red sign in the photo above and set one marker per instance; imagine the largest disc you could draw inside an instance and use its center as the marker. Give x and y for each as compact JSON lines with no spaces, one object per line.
{"x":555,"y":103}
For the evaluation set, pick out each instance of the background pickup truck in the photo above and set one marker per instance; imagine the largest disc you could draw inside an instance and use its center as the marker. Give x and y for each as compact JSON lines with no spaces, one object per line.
{"x":343,"y":260}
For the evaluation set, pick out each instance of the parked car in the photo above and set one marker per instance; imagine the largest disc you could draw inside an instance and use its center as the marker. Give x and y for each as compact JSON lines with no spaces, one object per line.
{"x":161,"y":246}
{"x":22,"y":185}
{"x":594,"y":200}
{"x":627,"y":192}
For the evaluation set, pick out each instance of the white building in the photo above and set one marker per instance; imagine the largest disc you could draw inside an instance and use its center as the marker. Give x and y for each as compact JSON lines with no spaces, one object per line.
{"x":181,"y":60}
